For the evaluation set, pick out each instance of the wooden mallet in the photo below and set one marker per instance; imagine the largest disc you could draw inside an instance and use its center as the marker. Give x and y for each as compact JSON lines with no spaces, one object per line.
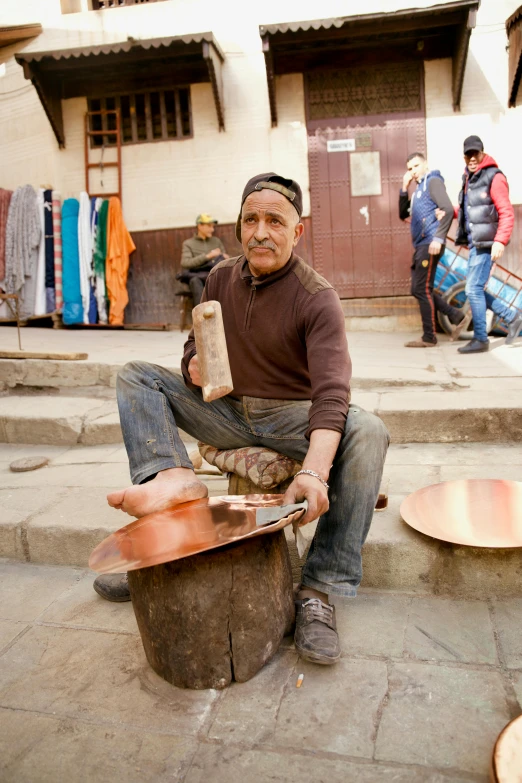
{"x":211,"y":348}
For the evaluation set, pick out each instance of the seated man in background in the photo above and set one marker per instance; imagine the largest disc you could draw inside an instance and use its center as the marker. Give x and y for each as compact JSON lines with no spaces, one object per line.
{"x":199,"y":254}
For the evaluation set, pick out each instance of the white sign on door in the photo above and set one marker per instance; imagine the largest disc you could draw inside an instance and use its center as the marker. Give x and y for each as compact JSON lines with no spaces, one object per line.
{"x":340,"y":145}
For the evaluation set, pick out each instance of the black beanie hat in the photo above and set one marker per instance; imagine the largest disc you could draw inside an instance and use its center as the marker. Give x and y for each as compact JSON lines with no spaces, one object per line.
{"x":271,"y":181}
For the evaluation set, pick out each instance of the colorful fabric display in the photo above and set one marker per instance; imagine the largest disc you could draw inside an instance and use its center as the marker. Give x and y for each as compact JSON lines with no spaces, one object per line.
{"x":72,"y":293}
{"x":57,"y":248}
{"x":71,"y":258}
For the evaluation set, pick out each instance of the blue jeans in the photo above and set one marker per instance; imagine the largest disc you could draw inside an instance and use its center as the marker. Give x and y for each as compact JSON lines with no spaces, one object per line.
{"x":154,"y":402}
{"x":479,"y":269}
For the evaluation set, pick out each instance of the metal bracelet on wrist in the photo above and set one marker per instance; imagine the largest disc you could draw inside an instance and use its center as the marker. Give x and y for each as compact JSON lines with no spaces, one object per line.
{"x":314,"y":474}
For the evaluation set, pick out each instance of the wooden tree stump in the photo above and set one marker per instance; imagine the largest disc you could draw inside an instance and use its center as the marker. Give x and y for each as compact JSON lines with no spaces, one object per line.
{"x":218,"y":616}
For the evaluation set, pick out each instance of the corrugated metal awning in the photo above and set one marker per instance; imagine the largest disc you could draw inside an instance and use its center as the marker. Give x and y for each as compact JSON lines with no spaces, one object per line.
{"x":432,"y":32}
{"x":514,"y":33}
{"x":118,"y":47}
{"x":386,"y":16}
{"x":13,"y":34}
{"x":110,"y":67}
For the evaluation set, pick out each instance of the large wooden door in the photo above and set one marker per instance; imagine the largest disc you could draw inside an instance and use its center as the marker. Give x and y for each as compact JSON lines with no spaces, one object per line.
{"x":362,"y":123}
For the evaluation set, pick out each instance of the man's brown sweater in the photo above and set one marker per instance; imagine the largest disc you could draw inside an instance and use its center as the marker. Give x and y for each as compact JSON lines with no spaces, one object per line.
{"x":285,"y":336}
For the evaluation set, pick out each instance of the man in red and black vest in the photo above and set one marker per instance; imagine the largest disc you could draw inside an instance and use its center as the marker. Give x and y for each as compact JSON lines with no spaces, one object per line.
{"x":485,"y":222}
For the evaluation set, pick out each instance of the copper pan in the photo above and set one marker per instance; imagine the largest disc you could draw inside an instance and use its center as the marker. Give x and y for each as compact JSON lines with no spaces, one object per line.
{"x":506,"y":761}
{"x":184,"y":530}
{"x":475,"y":512}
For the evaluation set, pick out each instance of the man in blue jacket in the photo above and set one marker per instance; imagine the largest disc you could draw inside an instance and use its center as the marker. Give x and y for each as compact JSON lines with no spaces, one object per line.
{"x":428,"y":237}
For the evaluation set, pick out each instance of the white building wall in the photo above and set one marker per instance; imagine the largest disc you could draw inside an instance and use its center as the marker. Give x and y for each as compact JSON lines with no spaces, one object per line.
{"x":484,"y":109}
{"x":165,"y":184}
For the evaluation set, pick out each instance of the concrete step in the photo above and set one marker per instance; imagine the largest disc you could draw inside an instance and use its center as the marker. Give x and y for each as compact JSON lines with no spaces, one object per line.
{"x":412,"y":416}
{"x":99,"y":378}
{"x":58,"y":514}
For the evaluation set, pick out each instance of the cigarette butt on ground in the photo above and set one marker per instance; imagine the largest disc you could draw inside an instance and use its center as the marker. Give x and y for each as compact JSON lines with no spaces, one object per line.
{"x":299,"y":681}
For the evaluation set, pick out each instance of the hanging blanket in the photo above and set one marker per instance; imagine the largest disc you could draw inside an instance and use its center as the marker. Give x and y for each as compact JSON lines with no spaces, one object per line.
{"x":57,"y":247}
{"x":21,"y":248}
{"x":39,"y":305}
{"x":119,"y":247}
{"x":99,"y":256}
{"x":72,"y":295}
{"x":50,"y":301}
{"x":85,"y":252}
{"x":93,"y":305}
{"x":5,"y":200}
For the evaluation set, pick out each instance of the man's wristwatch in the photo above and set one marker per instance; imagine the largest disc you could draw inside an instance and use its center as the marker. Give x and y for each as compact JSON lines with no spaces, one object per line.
{"x":314,"y":474}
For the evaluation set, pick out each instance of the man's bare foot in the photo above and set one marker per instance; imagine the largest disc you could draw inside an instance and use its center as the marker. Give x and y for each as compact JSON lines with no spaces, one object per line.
{"x":170,"y":487}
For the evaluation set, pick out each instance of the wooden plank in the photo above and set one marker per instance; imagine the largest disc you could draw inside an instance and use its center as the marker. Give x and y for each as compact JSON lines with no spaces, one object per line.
{"x":38,"y":355}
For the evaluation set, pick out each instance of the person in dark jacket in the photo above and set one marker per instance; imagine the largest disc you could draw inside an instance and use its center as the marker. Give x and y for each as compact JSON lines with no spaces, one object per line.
{"x":428,"y":236}
{"x":291,"y":371}
{"x":485,"y":222}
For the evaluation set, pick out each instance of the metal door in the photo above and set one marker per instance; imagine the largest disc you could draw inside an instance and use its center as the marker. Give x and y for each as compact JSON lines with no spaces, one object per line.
{"x":362,"y":123}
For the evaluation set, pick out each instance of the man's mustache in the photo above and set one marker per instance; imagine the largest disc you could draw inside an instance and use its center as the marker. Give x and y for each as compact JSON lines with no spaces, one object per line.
{"x":264,"y":243}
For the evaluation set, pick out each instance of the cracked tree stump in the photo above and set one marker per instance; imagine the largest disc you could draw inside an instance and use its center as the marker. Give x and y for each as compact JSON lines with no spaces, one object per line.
{"x":218,"y":616}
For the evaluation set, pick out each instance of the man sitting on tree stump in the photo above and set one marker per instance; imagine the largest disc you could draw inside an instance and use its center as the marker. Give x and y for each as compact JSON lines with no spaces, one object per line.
{"x":291,"y":371}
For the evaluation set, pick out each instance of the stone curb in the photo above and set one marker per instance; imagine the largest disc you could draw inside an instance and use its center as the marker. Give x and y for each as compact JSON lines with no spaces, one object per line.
{"x":395,"y":557}
{"x":411,"y":417}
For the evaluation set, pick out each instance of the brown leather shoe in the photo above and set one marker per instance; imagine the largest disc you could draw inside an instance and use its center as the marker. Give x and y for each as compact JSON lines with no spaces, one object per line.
{"x":113,"y":587}
{"x":419,"y":344}
{"x":316,"y":638}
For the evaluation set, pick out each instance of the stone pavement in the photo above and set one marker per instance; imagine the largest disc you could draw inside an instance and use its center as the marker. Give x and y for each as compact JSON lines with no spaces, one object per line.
{"x":424,"y":687}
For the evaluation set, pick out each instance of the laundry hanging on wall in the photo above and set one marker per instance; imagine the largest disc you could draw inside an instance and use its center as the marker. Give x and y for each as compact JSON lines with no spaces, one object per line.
{"x":23,"y":234}
{"x":39,"y":303}
{"x":72,"y":312}
{"x":99,"y":255}
{"x":72,"y":259}
{"x":57,"y":249}
{"x":5,"y":200}
{"x":119,"y":248}
{"x":50,"y":298}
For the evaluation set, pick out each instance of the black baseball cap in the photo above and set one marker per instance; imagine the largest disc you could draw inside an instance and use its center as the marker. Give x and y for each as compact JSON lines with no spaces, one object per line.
{"x":289,"y":188}
{"x":473,"y":144}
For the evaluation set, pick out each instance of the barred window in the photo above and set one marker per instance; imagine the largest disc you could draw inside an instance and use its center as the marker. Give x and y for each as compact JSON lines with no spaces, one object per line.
{"x":145,"y":116}
{"x":100,"y":5}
